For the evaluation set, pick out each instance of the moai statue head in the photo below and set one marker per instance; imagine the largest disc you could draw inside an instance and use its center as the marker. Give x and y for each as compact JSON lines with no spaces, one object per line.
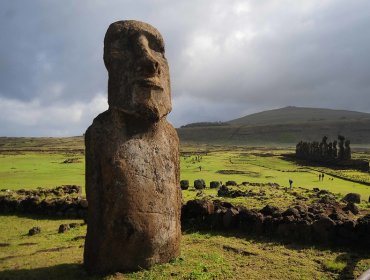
{"x":335,"y":144}
{"x":139,"y":81}
{"x":324,"y":139}
{"x":347,"y":143}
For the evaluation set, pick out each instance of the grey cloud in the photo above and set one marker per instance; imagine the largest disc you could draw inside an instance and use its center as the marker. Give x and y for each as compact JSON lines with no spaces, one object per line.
{"x":227,"y":58}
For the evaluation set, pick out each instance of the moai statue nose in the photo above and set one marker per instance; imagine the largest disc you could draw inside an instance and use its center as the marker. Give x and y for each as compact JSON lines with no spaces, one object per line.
{"x":147,"y":63}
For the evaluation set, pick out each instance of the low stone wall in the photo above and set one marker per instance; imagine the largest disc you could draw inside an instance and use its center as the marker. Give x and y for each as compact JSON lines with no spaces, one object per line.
{"x":63,"y":201}
{"x":326,"y":222}
{"x":319,"y":223}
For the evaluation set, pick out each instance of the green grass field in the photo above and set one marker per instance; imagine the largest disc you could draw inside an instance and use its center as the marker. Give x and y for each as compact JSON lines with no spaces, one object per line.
{"x":204,"y":255}
{"x":26,"y":164}
{"x":263,"y":169}
{"x":27,"y":170}
{"x":45,"y":169}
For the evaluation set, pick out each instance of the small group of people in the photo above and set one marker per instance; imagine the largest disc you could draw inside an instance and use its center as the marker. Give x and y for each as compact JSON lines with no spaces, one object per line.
{"x":321,"y":177}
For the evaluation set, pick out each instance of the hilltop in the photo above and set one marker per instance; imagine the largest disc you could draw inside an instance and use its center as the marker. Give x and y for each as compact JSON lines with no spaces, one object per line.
{"x":286,"y":125}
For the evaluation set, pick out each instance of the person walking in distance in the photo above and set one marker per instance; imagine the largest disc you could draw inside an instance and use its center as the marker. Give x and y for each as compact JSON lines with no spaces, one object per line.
{"x":290,"y":183}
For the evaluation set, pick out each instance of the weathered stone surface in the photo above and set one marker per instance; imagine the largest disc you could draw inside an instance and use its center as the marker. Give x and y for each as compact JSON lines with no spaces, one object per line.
{"x":63,"y":228}
{"x":352,"y":207}
{"x":184,"y":184}
{"x":199,"y":184}
{"x":132,"y":158}
{"x":269,"y":210}
{"x":197,"y":208}
{"x":231,"y":183}
{"x":214,"y":184}
{"x":230,"y":218}
{"x":352,"y":197}
{"x":34,"y":230}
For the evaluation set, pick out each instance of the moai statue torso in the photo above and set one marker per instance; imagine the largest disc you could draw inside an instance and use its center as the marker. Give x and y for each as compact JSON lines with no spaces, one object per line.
{"x":132,"y":158}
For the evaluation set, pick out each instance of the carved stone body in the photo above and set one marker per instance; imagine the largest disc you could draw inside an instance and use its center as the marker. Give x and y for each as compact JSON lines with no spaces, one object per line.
{"x":132,"y":158}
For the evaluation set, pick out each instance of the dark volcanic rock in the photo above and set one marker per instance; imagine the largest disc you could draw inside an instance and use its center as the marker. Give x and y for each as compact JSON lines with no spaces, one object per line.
{"x":352,"y":197}
{"x":197,"y":208}
{"x":323,"y":229}
{"x":214,"y":184}
{"x":63,"y":228}
{"x":230,"y":218}
{"x":199,"y":184}
{"x":363,"y":231}
{"x":352,"y":207}
{"x":231,"y":183}
{"x":251,"y":221}
{"x":34,"y":230}
{"x":269,"y":210}
{"x":184,"y":184}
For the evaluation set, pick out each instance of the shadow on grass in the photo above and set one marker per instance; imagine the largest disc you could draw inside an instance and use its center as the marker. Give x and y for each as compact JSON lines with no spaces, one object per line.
{"x":348,"y":255}
{"x":61,"y":271}
{"x":351,"y":261}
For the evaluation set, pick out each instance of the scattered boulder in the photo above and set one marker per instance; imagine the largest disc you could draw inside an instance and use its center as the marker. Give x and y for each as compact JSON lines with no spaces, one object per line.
{"x":352,"y":208}
{"x":197,"y":208}
{"x":231,"y":183}
{"x":63,"y":228}
{"x":269,"y":210}
{"x":34,"y":230}
{"x":214,"y":184}
{"x":230,"y":218}
{"x":292,"y":212}
{"x":251,"y":221}
{"x":352,"y":197}
{"x":328,"y":200}
{"x":199,"y":184}
{"x":184,"y":184}
{"x":363,"y":231}
{"x":323,"y":229}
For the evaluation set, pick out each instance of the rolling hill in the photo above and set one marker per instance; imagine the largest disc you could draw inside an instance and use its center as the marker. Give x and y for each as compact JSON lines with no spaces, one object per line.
{"x":286,"y":125}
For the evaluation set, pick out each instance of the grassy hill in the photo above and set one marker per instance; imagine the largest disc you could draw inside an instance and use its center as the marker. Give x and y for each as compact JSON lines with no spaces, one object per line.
{"x":286,"y":125}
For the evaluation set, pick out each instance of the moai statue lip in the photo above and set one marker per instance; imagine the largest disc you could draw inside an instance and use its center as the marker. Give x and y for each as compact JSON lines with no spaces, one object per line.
{"x":139,"y":83}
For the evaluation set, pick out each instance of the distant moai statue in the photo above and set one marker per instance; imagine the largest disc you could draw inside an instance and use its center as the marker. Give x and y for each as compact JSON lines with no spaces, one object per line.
{"x":347,"y":150}
{"x":335,"y":151}
{"x":330,"y":150}
{"x":132,"y":158}
{"x":324,"y":147}
{"x":341,"y":147}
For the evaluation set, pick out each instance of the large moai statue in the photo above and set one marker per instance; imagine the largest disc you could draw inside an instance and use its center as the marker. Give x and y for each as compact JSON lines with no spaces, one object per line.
{"x":132,"y":158}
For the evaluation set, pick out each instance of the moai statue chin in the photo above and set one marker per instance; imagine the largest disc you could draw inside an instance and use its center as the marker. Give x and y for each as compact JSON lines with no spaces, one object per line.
{"x":132,"y":158}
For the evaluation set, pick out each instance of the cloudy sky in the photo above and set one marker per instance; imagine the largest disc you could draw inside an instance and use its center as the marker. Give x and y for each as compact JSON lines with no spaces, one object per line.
{"x":227,"y":58}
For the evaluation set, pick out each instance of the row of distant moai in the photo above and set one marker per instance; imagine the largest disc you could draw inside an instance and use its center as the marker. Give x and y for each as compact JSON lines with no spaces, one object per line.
{"x":324,"y":151}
